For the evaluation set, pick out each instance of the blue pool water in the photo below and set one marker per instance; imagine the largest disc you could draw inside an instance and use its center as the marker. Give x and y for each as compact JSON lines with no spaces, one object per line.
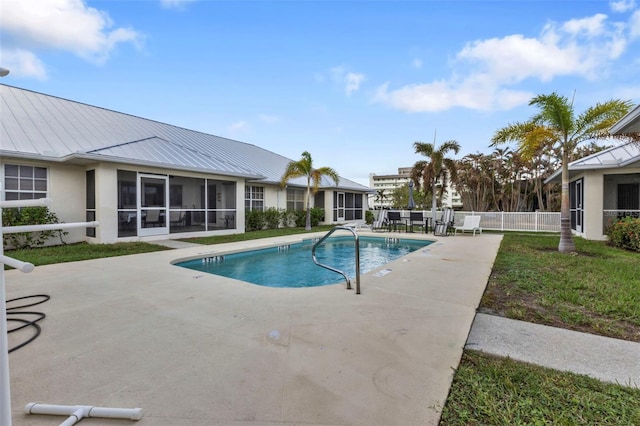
{"x":292,"y":265}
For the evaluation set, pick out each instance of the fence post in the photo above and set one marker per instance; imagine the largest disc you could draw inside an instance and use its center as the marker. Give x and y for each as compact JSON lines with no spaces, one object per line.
{"x":536,"y":221}
{"x":502,"y":220}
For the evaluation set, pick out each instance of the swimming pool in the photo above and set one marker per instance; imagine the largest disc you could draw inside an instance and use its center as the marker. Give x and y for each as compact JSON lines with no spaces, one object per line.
{"x":291,"y":265}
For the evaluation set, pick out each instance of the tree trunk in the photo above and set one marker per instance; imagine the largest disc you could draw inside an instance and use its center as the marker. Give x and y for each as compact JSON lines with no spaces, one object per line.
{"x":566,"y":239}
{"x":307,"y":225}
{"x":434,"y":204}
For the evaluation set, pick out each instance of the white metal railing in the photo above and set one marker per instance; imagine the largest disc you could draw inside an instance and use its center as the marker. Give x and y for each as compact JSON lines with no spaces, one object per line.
{"x":506,"y":221}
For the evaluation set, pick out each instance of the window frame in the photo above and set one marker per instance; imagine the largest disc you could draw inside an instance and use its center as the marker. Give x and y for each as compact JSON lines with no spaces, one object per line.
{"x":25,"y":182}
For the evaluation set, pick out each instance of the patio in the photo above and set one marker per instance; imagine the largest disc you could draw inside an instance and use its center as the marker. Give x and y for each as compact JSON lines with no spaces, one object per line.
{"x":197,"y":349}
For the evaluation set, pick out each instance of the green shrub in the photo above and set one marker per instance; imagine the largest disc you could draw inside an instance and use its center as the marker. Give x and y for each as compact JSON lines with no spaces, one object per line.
{"x":254,"y":220}
{"x":368,"y":217}
{"x":300,"y":217}
{"x":317,"y":216}
{"x":272,"y":218}
{"x":29,"y":216}
{"x":625,"y":234}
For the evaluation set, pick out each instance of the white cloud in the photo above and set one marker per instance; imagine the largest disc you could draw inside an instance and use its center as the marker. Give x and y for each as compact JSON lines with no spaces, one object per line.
{"x":634,"y":25}
{"x":417,"y":63}
{"x":350,"y":81}
{"x":238,"y":128}
{"x":175,"y":4}
{"x":485,"y":71}
{"x":591,"y":26}
{"x":622,"y":5}
{"x":68,"y":25}
{"x":268,"y":119}
{"x":23,"y":63}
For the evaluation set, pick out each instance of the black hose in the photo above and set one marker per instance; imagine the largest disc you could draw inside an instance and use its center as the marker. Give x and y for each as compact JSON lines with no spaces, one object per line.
{"x":26,"y":322}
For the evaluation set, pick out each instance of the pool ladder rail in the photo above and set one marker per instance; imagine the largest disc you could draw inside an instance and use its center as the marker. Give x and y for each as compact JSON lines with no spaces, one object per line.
{"x":357,"y":253}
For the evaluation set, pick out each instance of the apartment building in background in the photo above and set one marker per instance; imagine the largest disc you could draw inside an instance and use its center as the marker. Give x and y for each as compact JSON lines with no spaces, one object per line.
{"x":389,"y":183}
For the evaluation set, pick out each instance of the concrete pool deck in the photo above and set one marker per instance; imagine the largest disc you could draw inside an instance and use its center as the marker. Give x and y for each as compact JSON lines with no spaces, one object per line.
{"x":191,"y":348}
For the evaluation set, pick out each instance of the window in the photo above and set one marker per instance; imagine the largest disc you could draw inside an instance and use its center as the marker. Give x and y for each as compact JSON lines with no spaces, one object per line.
{"x":91,"y":201}
{"x":628,"y":196}
{"x":295,"y":199}
{"x":253,"y":198}
{"x":24,"y":182}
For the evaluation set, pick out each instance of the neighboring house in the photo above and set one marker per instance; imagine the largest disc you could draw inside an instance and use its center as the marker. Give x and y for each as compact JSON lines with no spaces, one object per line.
{"x":142,"y":179}
{"x":389,"y":183}
{"x":605,"y":186}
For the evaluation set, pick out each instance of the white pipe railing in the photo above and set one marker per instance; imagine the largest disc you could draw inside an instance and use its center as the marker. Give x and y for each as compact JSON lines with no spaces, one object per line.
{"x":78,"y":412}
{"x":75,"y":413}
{"x":47,"y":227}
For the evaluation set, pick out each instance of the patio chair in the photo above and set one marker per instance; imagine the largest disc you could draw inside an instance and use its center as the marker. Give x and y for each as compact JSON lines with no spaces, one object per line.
{"x":176,"y":218}
{"x":153,"y":218}
{"x":416,"y":219}
{"x":471,"y":223}
{"x":444,"y":226}
{"x":395,"y":221}
{"x":381,"y":222}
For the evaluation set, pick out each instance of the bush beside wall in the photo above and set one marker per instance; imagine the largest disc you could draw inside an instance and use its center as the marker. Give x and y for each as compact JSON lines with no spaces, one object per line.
{"x":625,"y":234}
{"x":29,"y":216}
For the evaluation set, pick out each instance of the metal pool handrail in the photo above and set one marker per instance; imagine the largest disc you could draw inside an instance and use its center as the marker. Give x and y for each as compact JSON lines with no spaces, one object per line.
{"x":357,"y":241}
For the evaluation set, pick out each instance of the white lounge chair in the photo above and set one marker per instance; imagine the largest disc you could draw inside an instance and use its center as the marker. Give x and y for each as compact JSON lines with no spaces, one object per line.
{"x":381,"y":223}
{"x":471,"y":223}
{"x":444,"y":226}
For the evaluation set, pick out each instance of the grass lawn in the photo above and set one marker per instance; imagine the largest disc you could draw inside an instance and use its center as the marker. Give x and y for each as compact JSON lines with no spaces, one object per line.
{"x":83,"y":251}
{"x":596,"y":290}
{"x":489,"y":390}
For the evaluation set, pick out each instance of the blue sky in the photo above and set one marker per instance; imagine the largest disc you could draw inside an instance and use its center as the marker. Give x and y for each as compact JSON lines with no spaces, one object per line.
{"x":353,"y":82}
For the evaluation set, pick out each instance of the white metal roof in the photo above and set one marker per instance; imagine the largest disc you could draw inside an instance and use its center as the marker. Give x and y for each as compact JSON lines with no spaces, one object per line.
{"x":630,"y":123}
{"x":624,"y":155}
{"x":35,"y":125}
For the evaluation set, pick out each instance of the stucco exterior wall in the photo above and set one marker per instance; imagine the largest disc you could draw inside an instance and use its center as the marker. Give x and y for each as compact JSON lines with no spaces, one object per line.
{"x":597,"y":195}
{"x":66,"y":188}
{"x":593,"y":189}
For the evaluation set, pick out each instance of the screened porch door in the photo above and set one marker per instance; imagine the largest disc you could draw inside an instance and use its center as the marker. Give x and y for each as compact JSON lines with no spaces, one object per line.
{"x":340,"y":206}
{"x":153,"y":217}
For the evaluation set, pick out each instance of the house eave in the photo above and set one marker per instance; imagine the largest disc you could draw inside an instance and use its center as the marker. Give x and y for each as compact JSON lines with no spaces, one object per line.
{"x":630,"y":123}
{"x":87,"y":159}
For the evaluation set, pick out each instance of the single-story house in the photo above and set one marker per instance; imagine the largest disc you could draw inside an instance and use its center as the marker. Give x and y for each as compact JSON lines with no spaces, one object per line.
{"x":605,"y":186}
{"x":142,"y":179}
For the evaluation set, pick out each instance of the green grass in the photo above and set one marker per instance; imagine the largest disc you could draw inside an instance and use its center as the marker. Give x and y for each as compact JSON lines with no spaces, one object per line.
{"x":595,"y":290}
{"x":254,"y":235}
{"x":81,"y":251}
{"x":489,"y":390}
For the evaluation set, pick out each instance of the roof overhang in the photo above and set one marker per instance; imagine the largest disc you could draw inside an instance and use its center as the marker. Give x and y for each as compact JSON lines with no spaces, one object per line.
{"x":87,"y":159}
{"x":630,"y":123}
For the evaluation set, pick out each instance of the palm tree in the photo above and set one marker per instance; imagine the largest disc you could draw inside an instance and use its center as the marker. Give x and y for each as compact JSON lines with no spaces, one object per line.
{"x":304,"y":168}
{"x":557,"y":127}
{"x":381,"y":196}
{"x":438,"y":168}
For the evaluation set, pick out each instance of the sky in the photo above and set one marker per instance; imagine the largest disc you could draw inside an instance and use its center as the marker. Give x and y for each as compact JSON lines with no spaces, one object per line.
{"x":355,"y":83}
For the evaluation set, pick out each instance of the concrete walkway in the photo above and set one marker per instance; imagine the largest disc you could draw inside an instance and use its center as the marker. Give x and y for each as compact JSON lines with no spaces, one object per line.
{"x":192,"y":348}
{"x":604,"y":358}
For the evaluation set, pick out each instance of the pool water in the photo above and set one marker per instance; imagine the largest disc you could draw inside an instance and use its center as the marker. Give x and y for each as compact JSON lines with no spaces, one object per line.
{"x":291,"y":265}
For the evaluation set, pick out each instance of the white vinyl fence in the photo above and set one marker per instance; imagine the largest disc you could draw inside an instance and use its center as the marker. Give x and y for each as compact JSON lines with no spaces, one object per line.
{"x":507,"y":221}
